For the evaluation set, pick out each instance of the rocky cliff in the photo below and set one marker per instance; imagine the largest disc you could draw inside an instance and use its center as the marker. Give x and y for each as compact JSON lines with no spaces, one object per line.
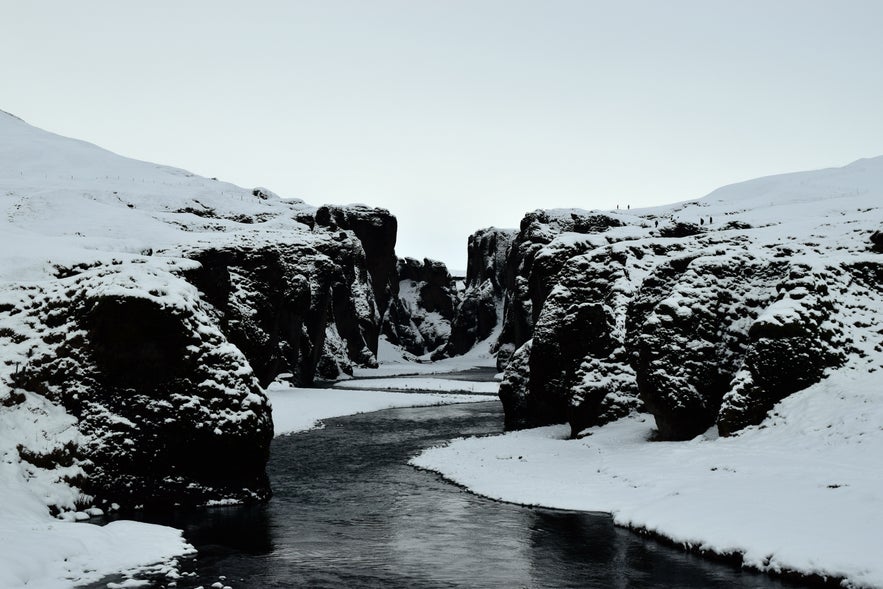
{"x":422,"y":309}
{"x":479,"y":309}
{"x":705,"y":314}
{"x":151,"y":306}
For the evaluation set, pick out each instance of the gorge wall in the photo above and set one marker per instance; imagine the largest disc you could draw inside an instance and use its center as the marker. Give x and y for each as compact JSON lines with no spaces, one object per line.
{"x":704,"y":314}
{"x":163,"y":366}
{"x":143,"y":309}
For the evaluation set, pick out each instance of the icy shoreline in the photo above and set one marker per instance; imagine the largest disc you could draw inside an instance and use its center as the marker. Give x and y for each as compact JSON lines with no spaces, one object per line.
{"x":801,"y":495}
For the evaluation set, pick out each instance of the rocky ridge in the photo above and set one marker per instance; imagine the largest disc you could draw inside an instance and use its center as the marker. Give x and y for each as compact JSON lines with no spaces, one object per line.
{"x":480,"y":308}
{"x":705,"y":314}
{"x":146,"y":308}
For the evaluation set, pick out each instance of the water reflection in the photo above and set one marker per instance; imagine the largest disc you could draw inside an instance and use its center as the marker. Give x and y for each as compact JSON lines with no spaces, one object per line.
{"x":349,"y":511}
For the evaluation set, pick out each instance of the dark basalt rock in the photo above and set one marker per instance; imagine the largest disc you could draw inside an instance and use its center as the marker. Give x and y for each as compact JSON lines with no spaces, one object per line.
{"x":789,"y":349}
{"x":263,"y":315}
{"x":169,"y":415}
{"x":689,"y":335}
{"x":419,"y":318}
{"x":166,"y":386}
{"x":688,"y":329}
{"x":376,"y":230}
{"x":476,"y":318}
{"x":437,"y":291}
{"x":517,"y":402}
{"x":526,"y":283}
{"x":680,"y":229}
{"x":877,"y":241}
{"x":478,"y":311}
{"x":135,"y":343}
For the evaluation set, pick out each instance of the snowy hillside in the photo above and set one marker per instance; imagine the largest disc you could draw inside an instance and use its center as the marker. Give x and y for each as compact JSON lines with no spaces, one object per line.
{"x":141,"y":308}
{"x":719,"y":364}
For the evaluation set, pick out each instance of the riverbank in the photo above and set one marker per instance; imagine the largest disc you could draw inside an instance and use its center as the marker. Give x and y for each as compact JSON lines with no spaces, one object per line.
{"x":800,"y":494}
{"x":298,"y":409}
{"x":43,"y":552}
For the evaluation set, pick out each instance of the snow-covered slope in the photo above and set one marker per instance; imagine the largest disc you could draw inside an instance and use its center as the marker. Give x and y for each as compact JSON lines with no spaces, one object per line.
{"x":683,"y":301}
{"x":754,"y":313}
{"x":140,"y":308}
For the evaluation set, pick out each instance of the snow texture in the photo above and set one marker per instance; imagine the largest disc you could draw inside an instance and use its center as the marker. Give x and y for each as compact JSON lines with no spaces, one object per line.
{"x":754,"y":311}
{"x":296,"y":410}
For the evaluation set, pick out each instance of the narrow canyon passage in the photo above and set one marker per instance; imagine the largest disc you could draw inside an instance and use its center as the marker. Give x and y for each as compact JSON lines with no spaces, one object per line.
{"x":349,"y":511}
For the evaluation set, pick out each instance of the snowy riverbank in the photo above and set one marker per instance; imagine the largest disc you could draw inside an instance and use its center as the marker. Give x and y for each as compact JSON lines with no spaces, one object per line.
{"x":297,"y":410}
{"x":803,"y":492}
{"x":43,"y":552}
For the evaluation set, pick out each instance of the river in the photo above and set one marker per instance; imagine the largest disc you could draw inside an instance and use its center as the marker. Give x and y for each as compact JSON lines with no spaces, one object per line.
{"x":349,"y":511}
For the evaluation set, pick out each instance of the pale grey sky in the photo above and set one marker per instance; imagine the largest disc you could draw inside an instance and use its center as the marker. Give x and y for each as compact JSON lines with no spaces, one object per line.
{"x":454,"y":114}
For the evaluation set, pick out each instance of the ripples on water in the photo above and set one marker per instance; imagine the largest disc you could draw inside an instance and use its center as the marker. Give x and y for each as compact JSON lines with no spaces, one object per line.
{"x":349,"y":512}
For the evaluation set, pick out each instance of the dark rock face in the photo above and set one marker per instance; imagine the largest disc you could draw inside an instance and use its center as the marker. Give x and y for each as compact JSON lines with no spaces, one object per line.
{"x":163,"y":367}
{"x":526,"y":282}
{"x":514,"y":390}
{"x":420,"y":315}
{"x":688,"y":347}
{"x":262,"y":301}
{"x":790,"y":346}
{"x":479,"y":309}
{"x":376,"y":230}
{"x":169,"y":412}
{"x":877,"y":241}
{"x":698,"y":328}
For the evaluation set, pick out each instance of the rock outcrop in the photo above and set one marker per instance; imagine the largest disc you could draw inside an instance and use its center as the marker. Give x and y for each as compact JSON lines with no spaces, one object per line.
{"x":168,"y":410}
{"x":527,"y":283}
{"x":480,"y":306}
{"x":376,"y":230}
{"x":424,"y":299}
{"x":698,"y":324}
{"x":162,"y":363}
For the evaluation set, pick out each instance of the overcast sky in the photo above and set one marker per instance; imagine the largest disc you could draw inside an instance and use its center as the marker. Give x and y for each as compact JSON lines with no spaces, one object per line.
{"x":453,"y":114}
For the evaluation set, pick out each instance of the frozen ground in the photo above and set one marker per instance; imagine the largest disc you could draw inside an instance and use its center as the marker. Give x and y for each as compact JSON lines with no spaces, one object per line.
{"x":405,"y":383}
{"x":395,"y":362}
{"x":297,"y":410}
{"x":801,"y":492}
{"x":43,"y":552}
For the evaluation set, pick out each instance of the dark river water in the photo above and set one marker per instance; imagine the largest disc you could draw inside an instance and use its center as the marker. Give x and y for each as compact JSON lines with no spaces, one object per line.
{"x":349,"y":512}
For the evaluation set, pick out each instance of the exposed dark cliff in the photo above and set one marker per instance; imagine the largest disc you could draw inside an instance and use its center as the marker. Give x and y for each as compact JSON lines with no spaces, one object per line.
{"x":168,"y":410}
{"x":376,"y":230}
{"x":480,"y":305}
{"x":699,"y":327}
{"x":425,"y":297}
{"x":527,"y":284}
{"x":163,"y":366}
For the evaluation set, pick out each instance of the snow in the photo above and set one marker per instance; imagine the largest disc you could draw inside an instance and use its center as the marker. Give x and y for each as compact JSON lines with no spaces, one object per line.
{"x":423,"y":384}
{"x":801,"y":492}
{"x":395,"y":362}
{"x":123,"y":224}
{"x":296,"y":409}
{"x":43,"y":552}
